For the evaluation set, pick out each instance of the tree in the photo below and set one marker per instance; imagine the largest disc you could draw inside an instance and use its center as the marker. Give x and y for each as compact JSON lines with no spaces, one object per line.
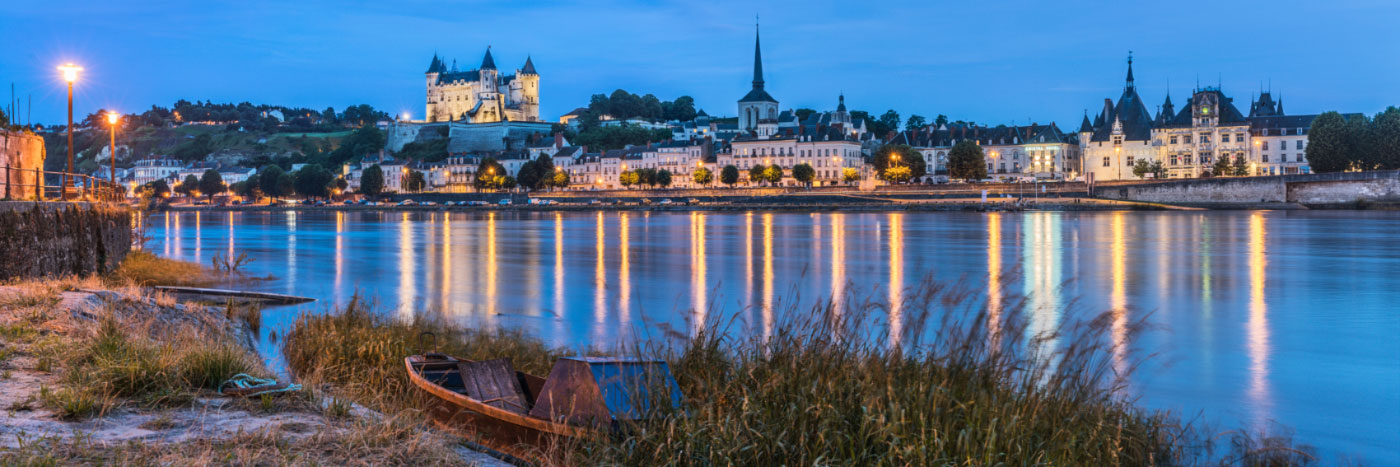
{"x":528,"y":176}
{"x":286,"y":184}
{"x":560,"y":179}
{"x":804,"y":174}
{"x":915,"y":122}
{"x":1330,"y":144}
{"x":773,"y":174}
{"x":702,"y":176}
{"x":267,"y":180}
{"x":940,"y":120}
{"x":372,"y":181}
{"x":188,"y":186}
{"x":1221,"y":168}
{"x":489,"y":174}
{"x":155,"y":189}
{"x":899,"y":155}
{"x":313,"y":180}
{"x":663,"y":178}
{"x":850,"y":175}
{"x":341,"y":184}
{"x":756,"y":173}
{"x":966,"y":161}
{"x":803,"y":113}
{"x":1362,"y":157}
{"x":1386,"y":138}
{"x":1159,"y":171}
{"x":890,"y":120}
{"x":729,"y":175}
{"x":1240,"y":168}
{"x":628,"y":178}
{"x":898,"y":174}
{"x":212,"y":184}
{"x":536,"y":174}
{"x":1141,"y":168}
{"x":508,"y":182}
{"x":247,"y":189}
{"x":414,"y":181}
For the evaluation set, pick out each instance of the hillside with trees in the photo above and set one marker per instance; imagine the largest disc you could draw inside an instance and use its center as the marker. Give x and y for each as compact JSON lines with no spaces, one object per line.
{"x":231,"y":134}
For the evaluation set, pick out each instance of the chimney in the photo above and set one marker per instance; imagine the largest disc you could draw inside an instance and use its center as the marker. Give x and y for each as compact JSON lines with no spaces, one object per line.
{"x":585,"y":149}
{"x":558,"y":140}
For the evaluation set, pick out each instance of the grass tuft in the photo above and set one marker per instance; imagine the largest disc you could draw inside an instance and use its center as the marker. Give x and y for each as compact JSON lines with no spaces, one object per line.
{"x":144,"y":268}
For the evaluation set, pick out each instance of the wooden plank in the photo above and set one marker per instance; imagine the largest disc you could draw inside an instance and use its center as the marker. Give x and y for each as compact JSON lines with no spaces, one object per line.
{"x":493,"y":382}
{"x":262,"y":296}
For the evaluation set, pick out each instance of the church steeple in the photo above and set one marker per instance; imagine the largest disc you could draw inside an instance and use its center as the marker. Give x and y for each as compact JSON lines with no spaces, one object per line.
{"x":841,"y":103}
{"x":757,"y":60}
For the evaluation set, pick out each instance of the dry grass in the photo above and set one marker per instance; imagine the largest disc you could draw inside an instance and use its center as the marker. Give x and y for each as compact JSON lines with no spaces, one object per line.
{"x":828,"y":388}
{"x":362,"y":352}
{"x":348,"y":444}
{"x":146,"y":269}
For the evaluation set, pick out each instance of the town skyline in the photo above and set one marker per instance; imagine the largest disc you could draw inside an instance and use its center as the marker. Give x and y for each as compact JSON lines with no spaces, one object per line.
{"x":993,"y":87}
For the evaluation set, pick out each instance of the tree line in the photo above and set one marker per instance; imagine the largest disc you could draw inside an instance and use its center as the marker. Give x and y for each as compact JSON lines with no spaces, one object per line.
{"x":1339,"y":142}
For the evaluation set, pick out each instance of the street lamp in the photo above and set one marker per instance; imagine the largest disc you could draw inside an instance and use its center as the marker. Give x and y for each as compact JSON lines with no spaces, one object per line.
{"x":112,"y":118}
{"x":70,"y":74}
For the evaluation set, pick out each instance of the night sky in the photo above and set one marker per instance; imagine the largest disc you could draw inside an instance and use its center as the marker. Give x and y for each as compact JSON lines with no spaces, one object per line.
{"x":989,"y":62}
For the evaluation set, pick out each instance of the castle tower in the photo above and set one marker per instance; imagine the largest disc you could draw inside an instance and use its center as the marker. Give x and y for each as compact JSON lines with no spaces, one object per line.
{"x":435,"y":69}
{"x":757,"y":106}
{"x":529,"y":90}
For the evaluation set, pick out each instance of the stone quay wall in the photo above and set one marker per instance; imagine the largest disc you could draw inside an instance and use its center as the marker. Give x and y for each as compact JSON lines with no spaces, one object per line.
{"x":1309,"y":189}
{"x":51,"y":239}
{"x":20,"y":154}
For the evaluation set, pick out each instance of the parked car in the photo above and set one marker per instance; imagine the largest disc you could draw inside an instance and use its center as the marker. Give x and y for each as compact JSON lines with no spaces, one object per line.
{"x":504,"y":202}
{"x":407,"y":202}
{"x":665,"y":202}
{"x":692,"y":201}
{"x":430,"y":203}
{"x":645,"y":201}
{"x":594,"y":202}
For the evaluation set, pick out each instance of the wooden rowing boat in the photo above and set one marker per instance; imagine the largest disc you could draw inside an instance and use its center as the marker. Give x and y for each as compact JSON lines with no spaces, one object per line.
{"x":487,"y":398}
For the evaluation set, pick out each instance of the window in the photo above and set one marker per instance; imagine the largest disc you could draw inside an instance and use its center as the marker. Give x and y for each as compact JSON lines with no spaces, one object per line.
{"x":1205,"y":137}
{"x":1173,"y":160}
{"x":1105,"y":162}
{"x":1186,"y":139}
{"x":1299,"y":145}
{"x":1264,"y":146}
{"x":1173,"y":140}
{"x":1300,"y":157}
{"x":1130,"y":161}
{"x":1264,"y":158}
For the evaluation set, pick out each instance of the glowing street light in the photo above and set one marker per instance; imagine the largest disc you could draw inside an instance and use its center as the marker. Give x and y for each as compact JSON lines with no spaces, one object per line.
{"x":70,"y":74}
{"x":112,"y":119}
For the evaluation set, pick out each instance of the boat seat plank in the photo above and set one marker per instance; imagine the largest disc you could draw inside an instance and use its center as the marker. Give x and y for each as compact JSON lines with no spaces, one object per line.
{"x":494,"y":383}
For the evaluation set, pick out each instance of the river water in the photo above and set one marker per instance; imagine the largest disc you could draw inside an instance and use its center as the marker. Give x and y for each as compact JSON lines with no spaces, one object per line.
{"x":1260,"y":318}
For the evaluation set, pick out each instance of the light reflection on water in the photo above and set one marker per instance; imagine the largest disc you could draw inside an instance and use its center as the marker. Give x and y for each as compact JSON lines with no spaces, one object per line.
{"x":1266,"y":316}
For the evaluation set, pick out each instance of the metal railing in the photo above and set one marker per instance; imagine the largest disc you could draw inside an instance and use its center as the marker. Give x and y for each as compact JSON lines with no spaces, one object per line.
{"x":35,"y":184}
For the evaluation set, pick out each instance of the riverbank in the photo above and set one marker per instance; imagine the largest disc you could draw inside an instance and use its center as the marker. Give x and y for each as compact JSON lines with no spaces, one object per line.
{"x":787,"y":205}
{"x":100,"y":371}
{"x":827,"y":387}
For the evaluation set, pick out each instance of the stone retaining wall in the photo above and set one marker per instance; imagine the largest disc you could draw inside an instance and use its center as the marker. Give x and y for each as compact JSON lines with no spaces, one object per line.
{"x":1321,"y":189}
{"x":57,"y":239}
{"x":20,"y":154}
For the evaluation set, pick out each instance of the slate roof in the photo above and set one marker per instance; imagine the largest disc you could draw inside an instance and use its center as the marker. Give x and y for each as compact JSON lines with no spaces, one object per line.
{"x":488,"y":63}
{"x":529,"y":68}
{"x":931,"y":137}
{"x":1265,"y":106}
{"x":1227,"y":113}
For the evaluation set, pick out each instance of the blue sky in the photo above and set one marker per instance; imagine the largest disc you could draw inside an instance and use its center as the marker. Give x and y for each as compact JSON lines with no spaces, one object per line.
{"x":990,"y":62}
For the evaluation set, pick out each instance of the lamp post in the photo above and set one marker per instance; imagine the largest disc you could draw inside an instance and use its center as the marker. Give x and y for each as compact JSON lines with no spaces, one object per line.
{"x":70,"y":74}
{"x":112,"y":118}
